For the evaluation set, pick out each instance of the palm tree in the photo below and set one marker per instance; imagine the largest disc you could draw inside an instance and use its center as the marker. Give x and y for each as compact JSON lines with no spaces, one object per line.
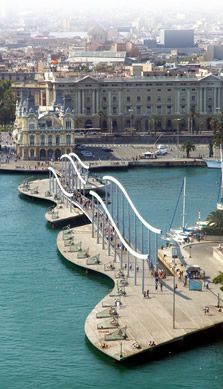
{"x":101,"y":116}
{"x":217,"y":126}
{"x":188,"y":146}
{"x":215,"y":219}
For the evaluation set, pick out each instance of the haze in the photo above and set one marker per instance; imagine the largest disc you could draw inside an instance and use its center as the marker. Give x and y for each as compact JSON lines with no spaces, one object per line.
{"x":95,"y":6}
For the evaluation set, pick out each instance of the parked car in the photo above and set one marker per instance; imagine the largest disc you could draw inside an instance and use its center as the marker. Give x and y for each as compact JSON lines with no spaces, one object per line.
{"x":107,"y":149}
{"x":161,"y":150}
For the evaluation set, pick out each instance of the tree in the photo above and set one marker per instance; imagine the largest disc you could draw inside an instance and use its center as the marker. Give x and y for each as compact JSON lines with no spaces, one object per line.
{"x":215,"y":219}
{"x":217,"y":127}
{"x":7,"y":103}
{"x":188,"y":146}
{"x":101,"y":116}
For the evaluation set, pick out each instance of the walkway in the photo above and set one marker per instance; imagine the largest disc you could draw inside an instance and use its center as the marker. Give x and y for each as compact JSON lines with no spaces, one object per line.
{"x":140,"y":313}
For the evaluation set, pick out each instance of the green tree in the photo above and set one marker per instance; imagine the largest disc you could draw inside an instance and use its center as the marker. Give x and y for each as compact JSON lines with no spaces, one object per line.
{"x":7,"y":103}
{"x":188,"y":146}
{"x":215,"y":219}
{"x":217,"y":127}
{"x":101,"y":116}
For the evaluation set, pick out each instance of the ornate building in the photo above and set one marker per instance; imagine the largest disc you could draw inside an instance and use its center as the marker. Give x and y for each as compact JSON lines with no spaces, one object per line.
{"x":43,"y":135}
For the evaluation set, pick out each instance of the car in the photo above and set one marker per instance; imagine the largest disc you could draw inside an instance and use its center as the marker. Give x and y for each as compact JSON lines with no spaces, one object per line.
{"x":161,"y":147}
{"x":80,"y":147}
{"x":161,"y":151}
{"x":107,"y":149}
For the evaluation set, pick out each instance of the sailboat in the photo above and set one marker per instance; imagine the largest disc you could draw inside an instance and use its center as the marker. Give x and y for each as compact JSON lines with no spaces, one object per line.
{"x":220,"y":204}
{"x":182,"y":234}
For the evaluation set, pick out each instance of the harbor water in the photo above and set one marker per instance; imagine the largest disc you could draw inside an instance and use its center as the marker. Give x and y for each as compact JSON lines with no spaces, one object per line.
{"x":44,"y":300}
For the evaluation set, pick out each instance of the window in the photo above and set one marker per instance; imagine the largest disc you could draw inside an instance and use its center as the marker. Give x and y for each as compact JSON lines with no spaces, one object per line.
{"x":158,"y":109}
{"x":42,"y":140}
{"x":114,"y":99}
{"x":50,"y":140}
{"x":148,"y":98}
{"x":138,"y":98}
{"x":32,"y":140}
{"x":68,"y":139}
{"x":31,"y":126}
{"x":57,"y":139}
{"x":115,"y":110}
{"x":168,"y":109}
{"x":68,"y":124}
{"x":148,"y":108}
{"x":42,"y":125}
{"x":210,"y":109}
{"x":128,"y":98}
{"x":138,"y":110}
{"x":49,"y":123}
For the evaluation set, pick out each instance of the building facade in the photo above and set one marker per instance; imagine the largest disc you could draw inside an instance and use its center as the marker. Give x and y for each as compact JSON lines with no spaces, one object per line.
{"x":149,"y":104}
{"x":42,"y":135}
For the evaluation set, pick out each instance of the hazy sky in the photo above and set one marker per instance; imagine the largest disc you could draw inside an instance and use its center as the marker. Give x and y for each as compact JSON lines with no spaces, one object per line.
{"x":113,"y":4}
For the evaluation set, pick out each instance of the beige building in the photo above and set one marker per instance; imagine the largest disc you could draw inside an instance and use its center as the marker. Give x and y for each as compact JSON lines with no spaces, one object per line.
{"x":43,"y":135}
{"x":149,"y":104}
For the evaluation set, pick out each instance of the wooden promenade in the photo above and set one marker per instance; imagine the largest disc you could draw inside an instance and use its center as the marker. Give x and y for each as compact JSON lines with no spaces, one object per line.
{"x":126,"y":323}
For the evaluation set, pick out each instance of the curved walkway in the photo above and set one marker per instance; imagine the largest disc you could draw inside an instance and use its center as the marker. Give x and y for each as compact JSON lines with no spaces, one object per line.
{"x":126,"y":322}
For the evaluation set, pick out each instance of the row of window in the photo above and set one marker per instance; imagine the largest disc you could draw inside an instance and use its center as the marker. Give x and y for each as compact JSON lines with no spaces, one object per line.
{"x":48,"y":140}
{"x":48,"y":124}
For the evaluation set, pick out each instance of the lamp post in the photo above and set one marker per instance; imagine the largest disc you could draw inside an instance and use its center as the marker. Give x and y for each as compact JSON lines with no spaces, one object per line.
{"x":190,"y":247}
{"x":131,"y":117}
{"x":178,"y":130}
{"x":174,"y":254}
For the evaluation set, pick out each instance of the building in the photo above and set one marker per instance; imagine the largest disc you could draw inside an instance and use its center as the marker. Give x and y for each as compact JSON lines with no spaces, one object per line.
{"x":43,"y":135}
{"x":214,"y":52}
{"x":147,"y":104}
{"x":177,"y":38}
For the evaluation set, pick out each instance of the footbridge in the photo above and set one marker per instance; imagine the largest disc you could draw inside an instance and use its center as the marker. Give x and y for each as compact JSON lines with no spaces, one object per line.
{"x":116,"y":223}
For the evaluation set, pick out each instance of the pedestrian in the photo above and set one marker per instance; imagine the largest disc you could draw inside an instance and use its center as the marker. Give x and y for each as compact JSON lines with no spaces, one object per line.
{"x":147,"y":293}
{"x":161,"y":286}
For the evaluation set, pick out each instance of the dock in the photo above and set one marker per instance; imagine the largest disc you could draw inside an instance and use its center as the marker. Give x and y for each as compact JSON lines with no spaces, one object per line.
{"x":127,"y":323}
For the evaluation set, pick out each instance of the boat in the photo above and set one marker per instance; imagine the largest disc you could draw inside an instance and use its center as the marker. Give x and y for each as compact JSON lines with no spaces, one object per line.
{"x":213,"y":163}
{"x":220,"y":204}
{"x":182,"y":234}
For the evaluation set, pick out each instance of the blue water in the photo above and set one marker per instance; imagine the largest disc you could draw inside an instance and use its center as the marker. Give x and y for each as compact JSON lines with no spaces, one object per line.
{"x":44,"y":301}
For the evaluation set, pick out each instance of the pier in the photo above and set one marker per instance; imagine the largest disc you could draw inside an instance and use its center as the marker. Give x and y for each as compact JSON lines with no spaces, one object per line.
{"x":144,"y":311}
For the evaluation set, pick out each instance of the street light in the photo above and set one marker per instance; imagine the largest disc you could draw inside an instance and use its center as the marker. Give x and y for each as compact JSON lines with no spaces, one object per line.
{"x":131,"y":116}
{"x":178,"y":129}
{"x":174,"y":255}
{"x":190,"y":247}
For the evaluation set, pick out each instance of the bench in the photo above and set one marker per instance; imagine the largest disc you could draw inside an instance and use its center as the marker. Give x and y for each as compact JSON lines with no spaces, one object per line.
{"x":75,"y":247}
{"x":95,"y":260}
{"x":83,"y":254}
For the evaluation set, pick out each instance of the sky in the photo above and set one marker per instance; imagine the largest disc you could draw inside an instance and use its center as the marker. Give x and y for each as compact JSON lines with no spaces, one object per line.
{"x":115,"y":5}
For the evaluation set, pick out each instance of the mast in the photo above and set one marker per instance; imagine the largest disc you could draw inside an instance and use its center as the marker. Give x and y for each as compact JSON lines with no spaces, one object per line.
{"x":184,"y":203}
{"x":221,"y":156}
